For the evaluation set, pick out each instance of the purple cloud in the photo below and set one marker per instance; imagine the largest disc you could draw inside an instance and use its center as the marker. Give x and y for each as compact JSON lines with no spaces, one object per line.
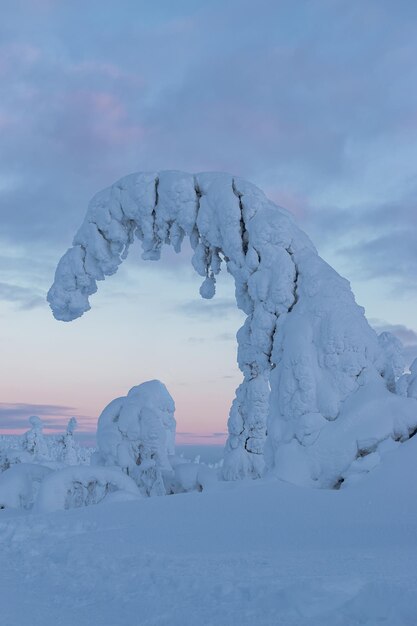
{"x":280,"y":101}
{"x":15,"y":416}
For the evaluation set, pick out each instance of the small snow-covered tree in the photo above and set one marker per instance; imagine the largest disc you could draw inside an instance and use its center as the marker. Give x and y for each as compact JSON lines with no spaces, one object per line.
{"x":67,"y":450}
{"x":137,"y":433}
{"x":393,"y":359}
{"x":34,"y":440}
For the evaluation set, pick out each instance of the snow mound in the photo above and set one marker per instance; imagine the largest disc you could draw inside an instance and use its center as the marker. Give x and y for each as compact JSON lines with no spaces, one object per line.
{"x":19,"y":485}
{"x":305,"y":348}
{"x":74,"y":487}
{"x":137,"y":433}
{"x":194,"y":477}
{"x":12,"y":456}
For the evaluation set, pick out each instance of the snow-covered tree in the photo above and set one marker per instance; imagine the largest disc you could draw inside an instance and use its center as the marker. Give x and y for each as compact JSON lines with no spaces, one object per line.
{"x":73,"y":487}
{"x":67,"y":450}
{"x":137,"y":433}
{"x":393,"y":361}
{"x":306,"y":351}
{"x":34,"y":440}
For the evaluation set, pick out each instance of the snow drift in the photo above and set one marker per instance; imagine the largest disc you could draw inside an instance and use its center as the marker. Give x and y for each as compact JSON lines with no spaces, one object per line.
{"x":307,"y":354}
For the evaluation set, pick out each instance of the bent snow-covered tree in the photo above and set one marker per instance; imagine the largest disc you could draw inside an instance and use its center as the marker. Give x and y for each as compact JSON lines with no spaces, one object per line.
{"x":313,"y":397}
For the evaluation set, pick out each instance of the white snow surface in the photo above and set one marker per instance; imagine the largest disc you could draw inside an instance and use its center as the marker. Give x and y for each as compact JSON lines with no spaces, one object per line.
{"x":305,"y":348}
{"x":260,"y":552}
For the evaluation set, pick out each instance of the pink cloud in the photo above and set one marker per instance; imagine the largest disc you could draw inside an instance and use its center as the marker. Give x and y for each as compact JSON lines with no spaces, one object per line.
{"x":105,"y":116}
{"x":291,"y":200}
{"x":17,"y":56}
{"x":7,"y":121}
{"x":202,"y":439}
{"x":108,"y":70}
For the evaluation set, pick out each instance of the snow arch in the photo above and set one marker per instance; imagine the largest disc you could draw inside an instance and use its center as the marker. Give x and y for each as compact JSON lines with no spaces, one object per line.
{"x":305,"y":346}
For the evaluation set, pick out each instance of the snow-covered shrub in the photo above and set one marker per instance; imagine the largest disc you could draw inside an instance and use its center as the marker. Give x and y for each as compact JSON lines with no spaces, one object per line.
{"x":20,"y":483}
{"x":188,"y":475}
{"x":32,"y":447}
{"x":193,"y":477}
{"x":74,"y":487}
{"x":137,"y":433}
{"x":12,"y":456}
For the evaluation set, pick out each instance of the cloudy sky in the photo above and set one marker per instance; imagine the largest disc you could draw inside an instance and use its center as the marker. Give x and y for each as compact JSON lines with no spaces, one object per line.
{"x":315,"y":102}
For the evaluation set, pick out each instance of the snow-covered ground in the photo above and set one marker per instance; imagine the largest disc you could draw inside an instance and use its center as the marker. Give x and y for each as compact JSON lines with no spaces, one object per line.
{"x":255,"y":552}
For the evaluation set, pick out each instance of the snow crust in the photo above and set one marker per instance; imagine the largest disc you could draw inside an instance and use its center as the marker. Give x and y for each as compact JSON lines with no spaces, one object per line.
{"x":305,"y":349}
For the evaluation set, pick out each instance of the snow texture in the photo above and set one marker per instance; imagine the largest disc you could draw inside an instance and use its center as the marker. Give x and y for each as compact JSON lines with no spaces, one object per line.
{"x":406,"y":385}
{"x":19,"y":485}
{"x":137,"y":434}
{"x":253,"y":552}
{"x":305,"y":350}
{"x":12,"y":456}
{"x":193,"y":477}
{"x":74,"y":487}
